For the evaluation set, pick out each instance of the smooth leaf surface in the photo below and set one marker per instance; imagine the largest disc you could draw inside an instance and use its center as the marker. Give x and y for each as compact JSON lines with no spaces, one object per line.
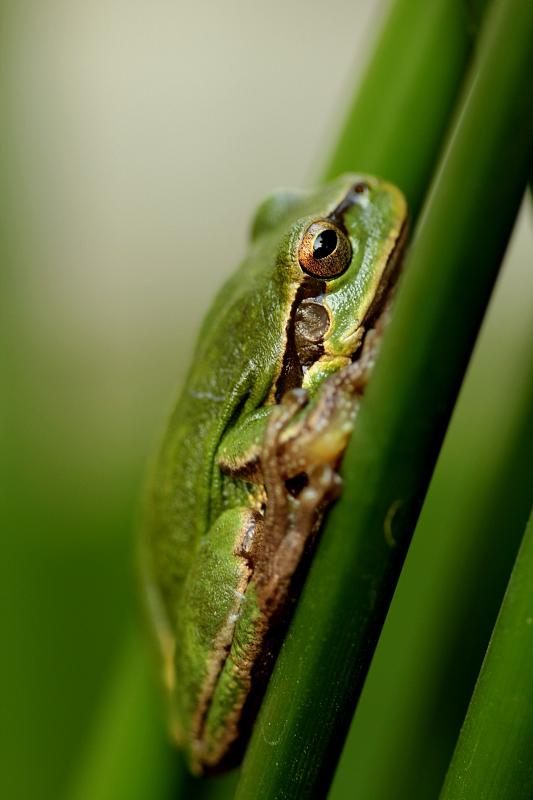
{"x":493,"y":756}
{"x":450,"y":272}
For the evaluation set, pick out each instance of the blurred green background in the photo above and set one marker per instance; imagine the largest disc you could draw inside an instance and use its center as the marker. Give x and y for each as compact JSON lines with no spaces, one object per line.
{"x":136,"y":139}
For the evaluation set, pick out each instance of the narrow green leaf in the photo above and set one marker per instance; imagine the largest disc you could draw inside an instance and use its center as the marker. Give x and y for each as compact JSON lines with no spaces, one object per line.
{"x":401,"y":111}
{"x":449,"y":276}
{"x":493,"y":758}
{"x":430,"y":650}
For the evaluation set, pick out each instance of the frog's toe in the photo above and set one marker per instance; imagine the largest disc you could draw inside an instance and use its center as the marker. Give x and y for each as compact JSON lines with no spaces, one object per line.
{"x":324,"y":486}
{"x":295,"y":399}
{"x":325,"y":480}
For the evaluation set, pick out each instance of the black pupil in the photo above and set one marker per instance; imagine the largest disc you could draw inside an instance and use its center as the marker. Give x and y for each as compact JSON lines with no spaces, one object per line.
{"x":324,"y":244}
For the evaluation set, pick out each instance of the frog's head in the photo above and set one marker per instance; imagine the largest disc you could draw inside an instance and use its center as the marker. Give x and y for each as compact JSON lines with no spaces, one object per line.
{"x":345,"y":243}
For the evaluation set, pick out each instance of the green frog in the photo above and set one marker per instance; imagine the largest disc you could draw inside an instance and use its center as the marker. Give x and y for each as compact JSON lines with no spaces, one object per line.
{"x":249,"y":463}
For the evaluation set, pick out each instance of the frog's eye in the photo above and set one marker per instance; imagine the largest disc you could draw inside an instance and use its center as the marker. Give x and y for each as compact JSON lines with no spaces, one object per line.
{"x":324,"y":251}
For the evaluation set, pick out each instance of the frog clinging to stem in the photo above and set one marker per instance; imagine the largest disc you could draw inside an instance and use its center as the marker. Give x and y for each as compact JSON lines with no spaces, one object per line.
{"x":249,"y":463}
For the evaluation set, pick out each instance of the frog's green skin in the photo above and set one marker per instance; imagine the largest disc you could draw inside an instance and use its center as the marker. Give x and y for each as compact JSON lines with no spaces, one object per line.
{"x":223,"y":535}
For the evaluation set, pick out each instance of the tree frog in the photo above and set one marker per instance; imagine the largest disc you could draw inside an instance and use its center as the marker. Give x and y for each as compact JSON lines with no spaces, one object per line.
{"x":249,"y":463}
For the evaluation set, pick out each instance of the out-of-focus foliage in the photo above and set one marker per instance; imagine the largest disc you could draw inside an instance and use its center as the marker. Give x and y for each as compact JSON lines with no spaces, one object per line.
{"x":136,"y":140}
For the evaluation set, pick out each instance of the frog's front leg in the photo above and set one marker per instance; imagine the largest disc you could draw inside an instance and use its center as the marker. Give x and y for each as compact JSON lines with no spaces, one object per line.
{"x":303,"y":444}
{"x":290,"y":491}
{"x":292,"y":512}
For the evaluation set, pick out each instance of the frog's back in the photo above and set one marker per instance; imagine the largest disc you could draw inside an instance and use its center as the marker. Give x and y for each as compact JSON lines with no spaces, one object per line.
{"x":237,"y":358}
{"x":227,"y":377}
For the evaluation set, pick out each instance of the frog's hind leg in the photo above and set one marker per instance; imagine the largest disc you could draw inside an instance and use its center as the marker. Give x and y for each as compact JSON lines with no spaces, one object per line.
{"x":324,"y":485}
{"x":213,"y":601}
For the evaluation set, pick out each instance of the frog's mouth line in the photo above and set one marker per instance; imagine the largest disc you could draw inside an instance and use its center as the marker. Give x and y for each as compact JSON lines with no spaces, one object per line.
{"x":389,"y":277}
{"x":380,"y":306}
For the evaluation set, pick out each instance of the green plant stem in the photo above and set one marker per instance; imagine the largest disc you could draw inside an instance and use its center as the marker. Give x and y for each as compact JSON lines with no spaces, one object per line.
{"x":493,"y":757}
{"x":451,"y":586}
{"x":449,"y":276}
{"x":401,"y":111}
